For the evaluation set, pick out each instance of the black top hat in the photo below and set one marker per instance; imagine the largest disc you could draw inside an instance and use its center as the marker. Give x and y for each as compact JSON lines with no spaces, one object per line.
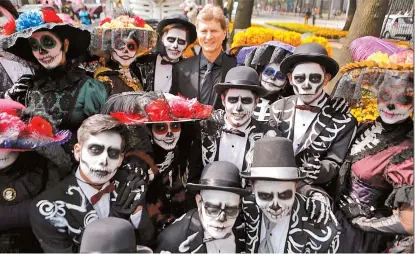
{"x":220,"y":175}
{"x":241,"y":77}
{"x":310,"y":52}
{"x":273,"y":160}
{"x":178,"y":19}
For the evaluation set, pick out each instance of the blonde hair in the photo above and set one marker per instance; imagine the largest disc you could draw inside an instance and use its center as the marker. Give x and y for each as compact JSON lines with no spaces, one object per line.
{"x":211,"y":12}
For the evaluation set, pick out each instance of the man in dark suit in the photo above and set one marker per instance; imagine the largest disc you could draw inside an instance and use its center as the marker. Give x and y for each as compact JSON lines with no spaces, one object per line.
{"x":210,"y":227}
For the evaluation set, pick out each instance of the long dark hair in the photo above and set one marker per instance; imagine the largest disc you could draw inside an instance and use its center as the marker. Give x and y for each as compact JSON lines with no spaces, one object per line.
{"x":6,"y":4}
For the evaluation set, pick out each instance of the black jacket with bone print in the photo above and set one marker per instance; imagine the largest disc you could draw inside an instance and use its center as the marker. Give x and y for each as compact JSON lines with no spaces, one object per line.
{"x":328,"y":137}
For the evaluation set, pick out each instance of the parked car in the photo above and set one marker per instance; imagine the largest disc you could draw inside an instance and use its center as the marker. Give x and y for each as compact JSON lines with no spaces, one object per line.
{"x":398,"y":27}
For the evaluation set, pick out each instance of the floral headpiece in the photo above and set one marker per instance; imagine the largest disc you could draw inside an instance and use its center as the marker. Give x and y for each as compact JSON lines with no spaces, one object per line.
{"x":124,"y":21}
{"x":31,"y":19}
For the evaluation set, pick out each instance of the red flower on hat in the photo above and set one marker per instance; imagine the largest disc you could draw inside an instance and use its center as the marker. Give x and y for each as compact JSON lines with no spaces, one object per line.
{"x":10,"y":121}
{"x":189,"y":108}
{"x":128,"y":118}
{"x":50,"y":16}
{"x":40,"y":125}
{"x":9,"y":27}
{"x":159,"y":111}
{"x":139,"y":22}
{"x":105,"y":20}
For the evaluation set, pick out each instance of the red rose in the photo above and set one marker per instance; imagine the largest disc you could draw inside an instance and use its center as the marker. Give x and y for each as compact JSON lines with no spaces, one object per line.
{"x":159,"y":110}
{"x":41,"y":126}
{"x":139,"y":22}
{"x":50,"y":16}
{"x":105,"y":20}
{"x":9,"y":27}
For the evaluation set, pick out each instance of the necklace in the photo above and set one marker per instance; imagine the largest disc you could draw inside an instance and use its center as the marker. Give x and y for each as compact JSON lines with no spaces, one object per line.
{"x":130,"y":81}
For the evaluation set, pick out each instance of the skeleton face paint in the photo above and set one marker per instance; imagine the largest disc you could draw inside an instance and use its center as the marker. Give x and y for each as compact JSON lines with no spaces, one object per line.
{"x":395,"y":100}
{"x":239,"y":106}
{"x":166,"y":135}
{"x":100,"y":156}
{"x":124,"y":51}
{"x":308,"y":81}
{"x":47,"y":48}
{"x":175,"y":42}
{"x":275,"y":198}
{"x":7,"y":158}
{"x":218,"y":211}
{"x":272,"y":78}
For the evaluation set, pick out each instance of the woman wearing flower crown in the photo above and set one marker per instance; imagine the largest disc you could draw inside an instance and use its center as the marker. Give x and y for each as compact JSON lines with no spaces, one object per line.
{"x":58,"y":86}
{"x":119,"y":42}
{"x":375,"y":196}
{"x":23,"y":173}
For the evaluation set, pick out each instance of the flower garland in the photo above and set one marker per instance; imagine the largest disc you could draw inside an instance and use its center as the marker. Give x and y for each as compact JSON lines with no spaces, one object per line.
{"x":30,"y":19}
{"x":329,"y":33}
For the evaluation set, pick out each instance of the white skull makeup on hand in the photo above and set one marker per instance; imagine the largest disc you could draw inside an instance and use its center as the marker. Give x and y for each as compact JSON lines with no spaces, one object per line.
{"x":239,"y":106}
{"x":272,"y":78}
{"x":308,"y":81}
{"x":175,"y":42}
{"x":218,"y":211}
{"x":47,"y":48}
{"x":395,"y":100}
{"x":166,"y":135}
{"x":7,"y":158}
{"x":124,"y":51}
{"x":275,"y":198}
{"x":100,"y":156}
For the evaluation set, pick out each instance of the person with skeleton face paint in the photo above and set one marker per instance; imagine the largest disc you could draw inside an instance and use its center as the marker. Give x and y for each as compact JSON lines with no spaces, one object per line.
{"x":24,"y":173}
{"x":175,"y":34}
{"x":377,"y":174}
{"x":266,"y":60}
{"x":58,"y":86}
{"x":320,"y":127}
{"x":210,"y":227}
{"x":98,"y":189}
{"x":285,"y":224}
{"x":119,"y":42}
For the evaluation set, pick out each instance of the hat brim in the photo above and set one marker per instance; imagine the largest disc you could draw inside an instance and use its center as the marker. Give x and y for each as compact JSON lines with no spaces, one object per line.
{"x":37,"y":141}
{"x":174,"y":121}
{"x":247,"y":175}
{"x":198,"y":187}
{"x":220,"y":88}
{"x":190,"y":27}
{"x":18,"y":43}
{"x":331,"y":66}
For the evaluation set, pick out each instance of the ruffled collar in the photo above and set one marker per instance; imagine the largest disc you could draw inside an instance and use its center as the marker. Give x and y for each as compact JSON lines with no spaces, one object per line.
{"x":58,"y":79}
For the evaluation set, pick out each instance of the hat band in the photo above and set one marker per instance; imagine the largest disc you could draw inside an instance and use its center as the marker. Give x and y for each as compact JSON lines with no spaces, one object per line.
{"x":242,"y":82}
{"x":275,"y":172}
{"x":220,"y":183}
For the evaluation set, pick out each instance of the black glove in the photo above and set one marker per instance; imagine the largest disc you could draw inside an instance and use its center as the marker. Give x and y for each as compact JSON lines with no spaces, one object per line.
{"x":352,"y":207}
{"x":18,"y":91}
{"x":318,"y":208}
{"x":311,"y":167}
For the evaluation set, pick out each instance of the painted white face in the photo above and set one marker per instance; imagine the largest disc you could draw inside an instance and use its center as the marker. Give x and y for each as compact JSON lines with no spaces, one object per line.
{"x":239,"y":106}
{"x":124,"y":51}
{"x":166,"y":135}
{"x":308,"y":81}
{"x":175,"y":42}
{"x":272,"y":78}
{"x":100,"y":156}
{"x":218,"y":211}
{"x":7,"y":158}
{"x":395,"y":100}
{"x":275,"y":198}
{"x":47,"y":48}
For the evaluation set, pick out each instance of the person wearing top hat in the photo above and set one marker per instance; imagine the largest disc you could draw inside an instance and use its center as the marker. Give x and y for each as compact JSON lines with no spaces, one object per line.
{"x":210,"y":227}
{"x":285,"y":224}
{"x":175,"y":34}
{"x":320,"y":128}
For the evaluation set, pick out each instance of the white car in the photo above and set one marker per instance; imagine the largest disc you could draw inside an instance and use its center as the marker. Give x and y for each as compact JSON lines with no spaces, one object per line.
{"x":397,"y":27}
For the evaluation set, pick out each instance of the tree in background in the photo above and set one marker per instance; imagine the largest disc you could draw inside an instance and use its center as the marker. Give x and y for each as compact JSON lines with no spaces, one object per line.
{"x":244,"y":14}
{"x":350,"y":15}
{"x":218,"y":3}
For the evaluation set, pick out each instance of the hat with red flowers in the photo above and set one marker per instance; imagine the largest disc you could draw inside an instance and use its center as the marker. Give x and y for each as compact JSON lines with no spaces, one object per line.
{"x":21,"y":130}
{"x":152,"y":107}
{"x":18,"y":31}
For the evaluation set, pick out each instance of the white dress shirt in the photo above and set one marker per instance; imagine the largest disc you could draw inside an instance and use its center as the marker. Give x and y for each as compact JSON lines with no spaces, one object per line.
{"x":303,"y":119}
{"x":232,"y":147}
{"x":162,"y":76}
{"x":102,"y":207}
{"x":226,"y":245}
{"x":278,"y":233}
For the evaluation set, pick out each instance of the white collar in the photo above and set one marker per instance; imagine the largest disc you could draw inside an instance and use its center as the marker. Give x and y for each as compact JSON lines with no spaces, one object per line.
{"x":241,"y":128}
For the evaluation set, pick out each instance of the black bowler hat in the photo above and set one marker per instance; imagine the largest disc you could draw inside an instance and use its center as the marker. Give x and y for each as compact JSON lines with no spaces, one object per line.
{"x":178,"y":19}
{"x":310,"y":52}
{"x":241,"y":77}
{"x":273,"y":160}
{"x":220,"y":175}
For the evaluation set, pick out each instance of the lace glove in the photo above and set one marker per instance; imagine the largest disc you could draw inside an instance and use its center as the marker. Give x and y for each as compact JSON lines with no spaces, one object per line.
{"x":18,"y":91}
{"x":352,"y":207}
{"x":311,"y":168}
{"x":391,"y":224}
{"x":318,"y":208}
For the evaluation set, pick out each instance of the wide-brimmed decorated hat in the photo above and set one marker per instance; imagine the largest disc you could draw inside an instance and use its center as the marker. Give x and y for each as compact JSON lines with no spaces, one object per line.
{"x":310,"y":52}
{"x":153,"y":107}
{"x":18,"y":31}
{"x":273,"y":159}
{"x":21,"y":130}
{"x":178,"y":19}
{"x":220,"y":175}
{"x":125,"y":26}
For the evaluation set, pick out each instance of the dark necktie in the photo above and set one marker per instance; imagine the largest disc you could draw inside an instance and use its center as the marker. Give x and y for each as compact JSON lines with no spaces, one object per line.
{"x":95,"y":198}
{"x":234,"y":131}
{"x":164,"y":62}
{"x":313,"y":109}
{"x":206,"y":85}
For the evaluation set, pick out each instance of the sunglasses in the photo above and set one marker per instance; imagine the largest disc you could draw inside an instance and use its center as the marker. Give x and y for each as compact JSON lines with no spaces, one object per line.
{"x":163,"y":128}
{"x":121,"y":44}
{"x":45,"y":42}
{"x":214,"y":211}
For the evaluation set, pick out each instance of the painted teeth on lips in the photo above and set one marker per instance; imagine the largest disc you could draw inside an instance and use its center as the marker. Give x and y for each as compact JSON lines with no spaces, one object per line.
{"x":101,"y":173}
{"x":238,"y":115}
{"x":390,"y":115}
{"x":4,"y":159}
{"x":219,"y":229}
{"x":274,"y":214}
{"x":169,"y":141}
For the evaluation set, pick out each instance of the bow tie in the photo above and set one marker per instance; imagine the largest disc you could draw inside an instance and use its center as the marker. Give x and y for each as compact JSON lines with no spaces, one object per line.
{"x":95,"y":198}
{"x":164,"y":62}
{"x":313,"y":109}
{"x":234,"y":131}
